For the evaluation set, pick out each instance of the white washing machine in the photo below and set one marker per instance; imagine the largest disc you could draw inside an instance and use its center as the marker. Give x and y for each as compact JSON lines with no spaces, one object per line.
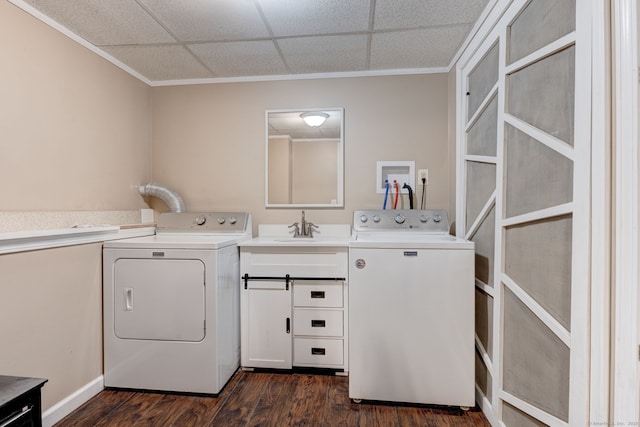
{"x":172,"y":304}
{"x":411,"y":309}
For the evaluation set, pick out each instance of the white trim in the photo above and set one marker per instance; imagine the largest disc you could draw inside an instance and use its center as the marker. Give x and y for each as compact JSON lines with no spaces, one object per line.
{"x":550,"y":141}
{"x":532,"y":410}
{"x":309,"y":76}
{"x":498,"y":262}
{"x":625,"y":382}
{"x":487,"y":31}
{"x":487,"y":410}
{"x":546,"y":213}
{"x":581,"y":236}
{"x":543,"y":52}
{"x":483,"y":354}
{"x":549,"y":321}
{"x":482,"y":107}
{"x":486,"y":16}
{"x":600,"y":313}
{"x":481,"y":216}
{"x":72,"y":402}
{"x":487,"y":289}
{"x":480,"y":159}
{"x":76,"y":38}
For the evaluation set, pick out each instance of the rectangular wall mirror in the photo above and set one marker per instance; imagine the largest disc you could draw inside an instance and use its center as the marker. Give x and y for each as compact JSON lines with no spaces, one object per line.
{"x":305,"y":158}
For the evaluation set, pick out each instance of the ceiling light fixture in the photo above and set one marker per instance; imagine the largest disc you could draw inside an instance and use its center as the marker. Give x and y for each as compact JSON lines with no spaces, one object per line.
{"x":314,"y":118}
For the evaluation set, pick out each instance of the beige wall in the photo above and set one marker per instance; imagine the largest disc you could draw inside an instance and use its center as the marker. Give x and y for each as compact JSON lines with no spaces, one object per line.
{"x":74,"y":129}
{"x":208,"y":140}
{"x":74,"y":136}
{"x":51,"y":317}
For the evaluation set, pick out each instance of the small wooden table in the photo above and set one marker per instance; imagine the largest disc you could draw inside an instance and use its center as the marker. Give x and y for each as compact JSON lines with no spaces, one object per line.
{"x":20,"y":401}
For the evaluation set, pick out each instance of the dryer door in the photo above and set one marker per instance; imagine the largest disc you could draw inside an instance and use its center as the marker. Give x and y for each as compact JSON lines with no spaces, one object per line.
{"x":159,"y":299}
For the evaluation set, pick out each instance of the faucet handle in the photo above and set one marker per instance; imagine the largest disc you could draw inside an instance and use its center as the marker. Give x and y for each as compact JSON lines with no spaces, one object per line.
{"x":296,"y":229}
{"x":310,"y":227}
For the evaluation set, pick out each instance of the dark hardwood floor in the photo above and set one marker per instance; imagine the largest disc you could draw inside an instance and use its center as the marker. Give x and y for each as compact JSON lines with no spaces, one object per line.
{"x":263,"y":399}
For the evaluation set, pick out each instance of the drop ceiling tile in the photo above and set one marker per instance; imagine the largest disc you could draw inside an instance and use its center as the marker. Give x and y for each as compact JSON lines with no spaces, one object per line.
{"x":209,"y":20}
{"x":160,"y":62}
{"x":423,"y":13}
{"x":305,"y":17}
{"x":105,"y":22}
{"x":427,"y":48}
{"x":249,"y":58}
{"x":325,"y":54}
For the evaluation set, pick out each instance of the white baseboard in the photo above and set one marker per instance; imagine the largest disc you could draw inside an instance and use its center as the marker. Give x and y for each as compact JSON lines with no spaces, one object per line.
{"x":487,"y":408}
{"x":72,"y":402}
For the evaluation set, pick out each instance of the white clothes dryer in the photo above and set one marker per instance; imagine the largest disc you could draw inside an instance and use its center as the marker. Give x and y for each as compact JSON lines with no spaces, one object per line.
{"x":411,"y":309}
{"x":172,"y":304}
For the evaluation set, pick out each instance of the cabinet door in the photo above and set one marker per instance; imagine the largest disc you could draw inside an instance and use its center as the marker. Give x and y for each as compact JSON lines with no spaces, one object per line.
{"x":266,"y":325}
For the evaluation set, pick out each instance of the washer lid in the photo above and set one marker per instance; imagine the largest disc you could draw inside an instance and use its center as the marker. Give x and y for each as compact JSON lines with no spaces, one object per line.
{"x":408,"y":241}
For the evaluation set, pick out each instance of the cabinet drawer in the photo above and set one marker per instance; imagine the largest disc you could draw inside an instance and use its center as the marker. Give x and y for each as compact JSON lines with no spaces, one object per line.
{"x":325,"y":323}
{"x":318,"y":352}
{"x":312,"y":293}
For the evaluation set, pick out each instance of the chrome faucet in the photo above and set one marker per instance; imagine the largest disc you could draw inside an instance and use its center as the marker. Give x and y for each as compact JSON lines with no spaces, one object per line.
{"x":303,"y":228}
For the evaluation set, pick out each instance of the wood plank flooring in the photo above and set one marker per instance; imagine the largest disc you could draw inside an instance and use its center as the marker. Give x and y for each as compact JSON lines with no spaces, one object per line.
{"x":263,"y":399}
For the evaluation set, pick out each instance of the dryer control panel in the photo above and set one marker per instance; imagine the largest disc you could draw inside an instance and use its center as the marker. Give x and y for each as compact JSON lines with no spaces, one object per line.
{"x":204,"y":222}
{"x":398,"y":220}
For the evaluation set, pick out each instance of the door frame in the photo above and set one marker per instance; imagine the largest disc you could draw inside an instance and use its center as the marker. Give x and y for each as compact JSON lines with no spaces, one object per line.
{"x":625,"y":379}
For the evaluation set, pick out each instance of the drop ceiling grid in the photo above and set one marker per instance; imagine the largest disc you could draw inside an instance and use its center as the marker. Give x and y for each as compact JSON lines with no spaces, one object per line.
{"x":176,"y":40}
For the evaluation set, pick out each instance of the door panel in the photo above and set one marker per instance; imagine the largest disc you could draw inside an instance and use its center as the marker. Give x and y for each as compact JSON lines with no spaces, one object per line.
{"x":159,"y":299}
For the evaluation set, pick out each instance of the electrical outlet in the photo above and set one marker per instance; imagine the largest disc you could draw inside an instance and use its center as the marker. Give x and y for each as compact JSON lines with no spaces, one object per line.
{"x":423,"y":174}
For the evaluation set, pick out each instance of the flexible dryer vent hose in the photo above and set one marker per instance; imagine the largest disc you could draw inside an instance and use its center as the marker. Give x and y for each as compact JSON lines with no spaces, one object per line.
{"x":171,"y":198}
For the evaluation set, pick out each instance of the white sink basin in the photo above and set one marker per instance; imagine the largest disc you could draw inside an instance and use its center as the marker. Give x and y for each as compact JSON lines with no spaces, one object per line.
{"x":280,"y":235}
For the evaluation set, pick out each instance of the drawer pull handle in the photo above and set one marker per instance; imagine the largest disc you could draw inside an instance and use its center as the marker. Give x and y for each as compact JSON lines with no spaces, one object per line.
{"x":317,"y":351}
{"x":318,"y":323}
{"x":288,"y":325}
{"x":317,"y":294}
{"x":26,"y":411}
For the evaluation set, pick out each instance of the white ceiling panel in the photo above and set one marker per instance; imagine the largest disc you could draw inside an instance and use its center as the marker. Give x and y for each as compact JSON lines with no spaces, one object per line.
{"x":105,"y":22}
{"x":325,"y":54}
{"x":167,"y":40}
{"x":210,"y":20}
{"x":428,"y":48}
{"x":425,"y":13}
{"x":160,"y":62}
{"x":250,"y":58}
{"x":305,"y":17}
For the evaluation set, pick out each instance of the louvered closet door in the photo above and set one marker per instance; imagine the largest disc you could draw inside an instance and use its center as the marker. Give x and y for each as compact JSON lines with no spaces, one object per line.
{"x":522,"y":187}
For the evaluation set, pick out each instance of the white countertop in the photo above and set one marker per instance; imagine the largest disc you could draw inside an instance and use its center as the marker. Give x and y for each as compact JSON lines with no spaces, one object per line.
{"x":22,"y":241}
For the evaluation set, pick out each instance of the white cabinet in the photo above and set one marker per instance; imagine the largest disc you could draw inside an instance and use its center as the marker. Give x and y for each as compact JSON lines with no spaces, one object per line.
{"x":266,"y":324}
{"x":294,"y":306}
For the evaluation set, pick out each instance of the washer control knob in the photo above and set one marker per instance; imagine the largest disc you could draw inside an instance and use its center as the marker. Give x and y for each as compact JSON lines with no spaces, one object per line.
{"x":399,"y":219}
{"x":437,"y":218}
{"x":233,"y":220}
{"x":424,"y":218}
{"x":376,"y":218}
{"x":220,"y":220}
{"x":200,"y":220}
{"x":363,"y":218}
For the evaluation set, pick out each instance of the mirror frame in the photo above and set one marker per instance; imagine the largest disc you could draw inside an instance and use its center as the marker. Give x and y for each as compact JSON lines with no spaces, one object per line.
{"x":339,"y":167}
